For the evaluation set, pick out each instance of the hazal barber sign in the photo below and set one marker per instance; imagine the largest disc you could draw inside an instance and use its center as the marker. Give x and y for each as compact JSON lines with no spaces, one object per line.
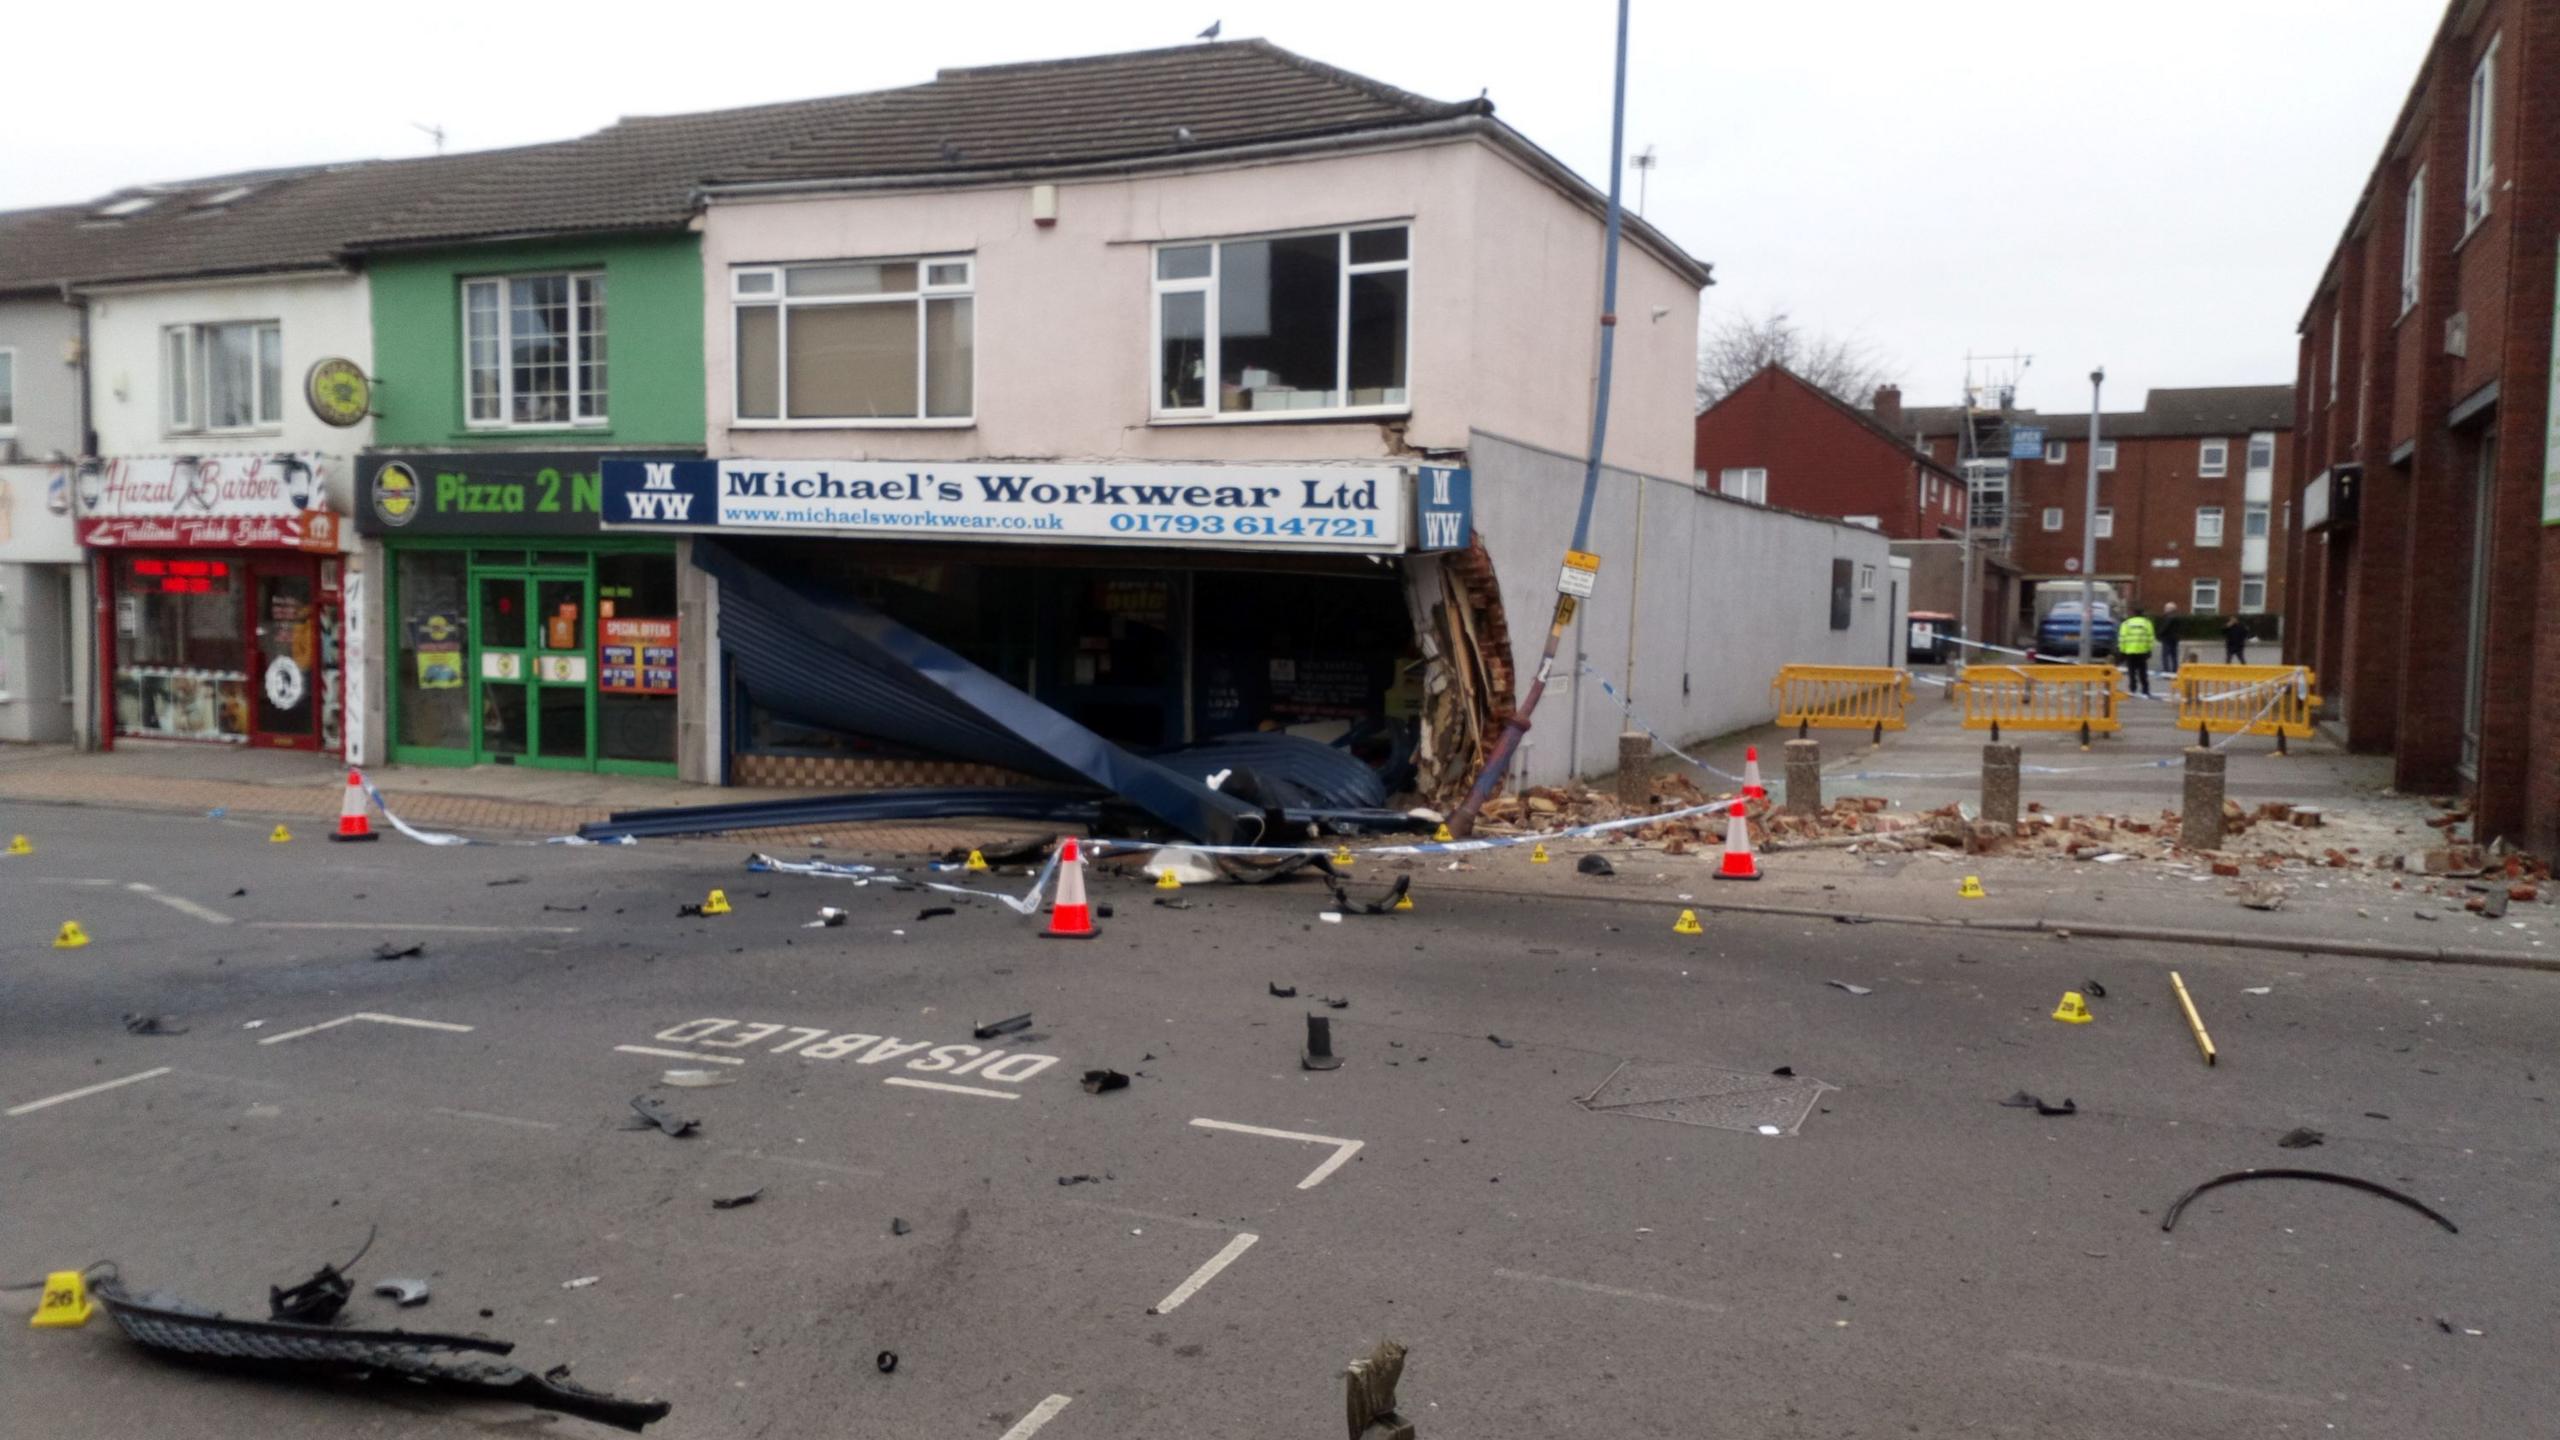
{"x":218,"y":501}
{"x":1337,"y":507}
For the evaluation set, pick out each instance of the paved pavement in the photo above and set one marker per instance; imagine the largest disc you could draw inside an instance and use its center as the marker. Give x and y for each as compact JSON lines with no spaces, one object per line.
{"x":1912,"y":1258}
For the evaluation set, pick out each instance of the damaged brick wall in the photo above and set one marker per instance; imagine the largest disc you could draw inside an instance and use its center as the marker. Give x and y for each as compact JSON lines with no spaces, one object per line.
{"x":1469,"y":689}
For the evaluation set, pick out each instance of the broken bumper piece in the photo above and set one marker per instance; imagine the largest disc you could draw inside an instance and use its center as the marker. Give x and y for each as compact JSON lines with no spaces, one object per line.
{"x":181,"y":1328}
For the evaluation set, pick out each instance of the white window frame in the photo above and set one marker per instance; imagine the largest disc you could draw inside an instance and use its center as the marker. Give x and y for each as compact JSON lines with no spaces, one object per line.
{"x":8,"y":390}
{"x":2057,"y":452}
{"x":2198,"y":591}
{"x":2259,"y":605}
{"x":1928,"y":449}
{"x":2257,"y":520}
{"x":2053,"y":517}
{"x":184,"y":407}
{"x":1866,"y":582}
{"x":2337,"y":350}
{"x":506,"y":357}
{"x":2209,"y":527}
{"x":1871,"y":522}
{"x":1754,"y":482}
{"x":2413,"y":237}
{"x":2480,"y":148}
{"x":777,"y":298}
{"x":2105,"y":526}
{"x":1207,"y":412}
{"x":2268,"y":439}
{"x":2106,"y":456}
{"x":2213,"y":457}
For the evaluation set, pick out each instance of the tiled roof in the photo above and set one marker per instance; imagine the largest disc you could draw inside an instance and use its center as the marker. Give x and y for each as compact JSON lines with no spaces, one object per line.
{"x":2204,"y":411}
{"x":1140,"y":105}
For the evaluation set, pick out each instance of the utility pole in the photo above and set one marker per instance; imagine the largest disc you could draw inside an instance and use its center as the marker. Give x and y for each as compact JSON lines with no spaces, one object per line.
{"x":2089,"y":526}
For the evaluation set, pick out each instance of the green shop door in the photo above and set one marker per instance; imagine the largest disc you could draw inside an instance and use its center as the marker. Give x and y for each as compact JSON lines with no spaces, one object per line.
{"x":536,"y":683}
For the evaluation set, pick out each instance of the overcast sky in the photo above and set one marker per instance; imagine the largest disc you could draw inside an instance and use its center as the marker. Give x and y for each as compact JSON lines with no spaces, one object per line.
{"x":2149,"y":186}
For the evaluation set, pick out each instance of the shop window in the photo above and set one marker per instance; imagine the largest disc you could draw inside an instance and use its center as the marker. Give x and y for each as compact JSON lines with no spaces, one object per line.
{"x":534,"y":351}
{"x":182,"y":651}
{"x":638,"y":645}
{"x":431,"y":635}
{"x":876,"y":341}
{"x":223,"y":378}
{"x":1288,"y":326}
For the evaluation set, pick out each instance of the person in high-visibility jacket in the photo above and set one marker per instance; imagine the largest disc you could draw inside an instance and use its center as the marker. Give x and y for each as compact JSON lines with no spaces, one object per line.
{"x":2134,"y":641}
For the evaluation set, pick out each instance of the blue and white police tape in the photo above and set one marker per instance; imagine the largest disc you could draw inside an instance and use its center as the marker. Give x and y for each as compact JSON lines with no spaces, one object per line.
{"x":440,"y":837}
{"x":864,"y":874}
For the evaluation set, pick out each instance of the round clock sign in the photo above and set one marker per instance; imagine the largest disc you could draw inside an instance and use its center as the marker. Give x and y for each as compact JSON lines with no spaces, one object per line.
{"x":338,"y":391}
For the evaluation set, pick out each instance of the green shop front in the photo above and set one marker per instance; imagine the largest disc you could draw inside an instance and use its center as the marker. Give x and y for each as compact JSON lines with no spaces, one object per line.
{"x":515,"y":631}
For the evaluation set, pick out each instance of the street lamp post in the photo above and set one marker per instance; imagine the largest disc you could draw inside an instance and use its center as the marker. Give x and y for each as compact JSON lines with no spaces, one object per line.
{"x":2089,"y":527}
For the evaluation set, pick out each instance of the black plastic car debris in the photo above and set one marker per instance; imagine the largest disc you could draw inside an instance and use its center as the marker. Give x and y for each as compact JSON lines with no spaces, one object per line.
{"x":1498,"y":1042}
{"x":1165,"y":904}
{"x":2301,"y":1139}
{"x":1283,"y":992}
{"x":1098,"y":1081}
{"x":510,"y":880}
{"x":566,"y":909}
{"x":171,"y":1326}
{"x":151,"y":1025}
{"x":732,"y":1202}
{"x":2093,"y":989}
{"x":935,"y":911}
{"x":388,"y":951}
{"x":1331,"y":1003}
{"x":318,"y":1300}
{"x":689,"y":911}
{"x":1065,"y":1180}
{"x":994,"y":1028}
{"x":898,"y":1226}
{"x":2170,"y":1220}
{"x":1343,"y":902}
{"x":887,"y":1360}
{"x":403,"y":1293}
{"x":1595,"y":863}
{"x":1785,"y":1070}
{"x":2024,"y":1101}
{"x":654,"y":1112}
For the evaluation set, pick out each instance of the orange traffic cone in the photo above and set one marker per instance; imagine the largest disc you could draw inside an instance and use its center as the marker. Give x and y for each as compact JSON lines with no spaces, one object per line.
{"x":1752,"y":789}
{"x":353,"y":823}
{"x":1739,"y":862}
{"x":1071,"y":918}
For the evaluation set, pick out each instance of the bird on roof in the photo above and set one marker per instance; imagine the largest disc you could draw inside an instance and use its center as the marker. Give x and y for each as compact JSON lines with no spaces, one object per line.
{"x":1212,"y":32}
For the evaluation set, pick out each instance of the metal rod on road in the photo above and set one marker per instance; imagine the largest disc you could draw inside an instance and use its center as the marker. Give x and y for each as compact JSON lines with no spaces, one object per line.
{"x":2089,"y":527}
{"x":1462,"y":822}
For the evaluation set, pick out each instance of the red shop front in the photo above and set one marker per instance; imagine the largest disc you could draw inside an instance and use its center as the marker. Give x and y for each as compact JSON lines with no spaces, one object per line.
{"x":221,"y":597}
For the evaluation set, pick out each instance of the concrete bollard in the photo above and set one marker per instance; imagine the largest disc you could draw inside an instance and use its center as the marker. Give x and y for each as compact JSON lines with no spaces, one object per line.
{"x":1635,"y":769}
{"x":2200,"y":810}
{"x":1804,"y":777}
{"x":2000,"y":784}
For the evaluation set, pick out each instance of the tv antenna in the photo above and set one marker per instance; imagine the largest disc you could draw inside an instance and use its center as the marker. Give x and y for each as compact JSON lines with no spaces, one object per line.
{"x":436,"y":132}
{"x":1643,"y":160}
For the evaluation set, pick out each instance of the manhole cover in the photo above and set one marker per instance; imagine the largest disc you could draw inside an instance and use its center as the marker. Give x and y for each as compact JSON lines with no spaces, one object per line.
{"x":1707,"y":1095}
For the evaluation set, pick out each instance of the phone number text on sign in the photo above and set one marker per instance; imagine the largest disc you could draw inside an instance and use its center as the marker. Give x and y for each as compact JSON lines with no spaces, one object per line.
{"x":811,"y":1042}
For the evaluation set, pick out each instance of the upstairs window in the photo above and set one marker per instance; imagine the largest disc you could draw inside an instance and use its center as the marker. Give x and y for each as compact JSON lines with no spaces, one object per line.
{"x":533,"y":351}
{"x":2056,"y":451}
{"x":2480,"y":153}
{"x":2262,"y":452}
{"x":2213,"y":459}
{"x":2053,"y":517}
{"x":1290,"y":326}
{"x":1751,"y":485}
{"x":2105,"y":526}
{"x":2106,"y":455}
{"x":2208,"y":525}
{"x":2413,"y":239}
{"x":873,"y":342}
{"x":223,"y":379}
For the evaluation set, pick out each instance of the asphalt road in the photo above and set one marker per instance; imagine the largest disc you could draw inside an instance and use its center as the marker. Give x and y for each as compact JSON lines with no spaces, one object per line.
{"x":1912,"y":1259}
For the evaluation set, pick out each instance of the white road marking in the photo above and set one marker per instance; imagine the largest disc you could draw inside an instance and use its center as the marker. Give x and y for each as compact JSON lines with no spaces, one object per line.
{"x":1204,"y":1274}
{"x":678,"y":1055}
{"x":2156,"y":1377}
{"x":1705,"y":1306}
{"x":66,"y":880}
{"x":495,"y":1119}
{"x":180,"y":903}
{"x":951,"y":1089}
{"x":1346,"y":1148}
{"x":376,"y":1018}
{"x":86,"y":1090}
{"x":1041,"y":1414}
{"x":404,"y":926}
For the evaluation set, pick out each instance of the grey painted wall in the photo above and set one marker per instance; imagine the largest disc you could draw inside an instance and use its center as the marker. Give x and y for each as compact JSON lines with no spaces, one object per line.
{"x":1716,"y":596}
{"x":42,"y":332}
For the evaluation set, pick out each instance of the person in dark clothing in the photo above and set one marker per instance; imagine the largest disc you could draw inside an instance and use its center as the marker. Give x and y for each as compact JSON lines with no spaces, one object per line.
{"x":2235,"y":642}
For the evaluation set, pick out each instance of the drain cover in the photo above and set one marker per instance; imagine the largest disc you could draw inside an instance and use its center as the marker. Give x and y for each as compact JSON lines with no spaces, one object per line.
{"x":1706,"y":1095}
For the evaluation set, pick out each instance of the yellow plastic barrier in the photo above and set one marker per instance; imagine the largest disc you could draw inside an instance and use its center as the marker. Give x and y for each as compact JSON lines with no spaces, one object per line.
{"x":2273,"y":700}
{"x":1841,"y":697}
{"x":2040,"y":697}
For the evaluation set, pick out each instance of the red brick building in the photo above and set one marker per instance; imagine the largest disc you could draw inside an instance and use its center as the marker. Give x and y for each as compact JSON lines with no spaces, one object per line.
{"x":2428,"y":483}
{"x":2189,"y":504}
{"x":1780,"y":440}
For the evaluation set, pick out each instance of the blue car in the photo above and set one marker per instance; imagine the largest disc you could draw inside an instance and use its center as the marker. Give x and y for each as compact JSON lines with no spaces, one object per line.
{"x":2058,"y":636}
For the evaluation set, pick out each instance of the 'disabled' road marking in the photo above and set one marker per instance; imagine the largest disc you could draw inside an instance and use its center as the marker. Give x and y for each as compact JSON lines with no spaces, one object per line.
{"x":1204,"y":1274}
{"x":1344,"y":1150}
{"x":87,"y":1090}
{"x":1041,"y":1414}
{"x":368,"y":1015}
